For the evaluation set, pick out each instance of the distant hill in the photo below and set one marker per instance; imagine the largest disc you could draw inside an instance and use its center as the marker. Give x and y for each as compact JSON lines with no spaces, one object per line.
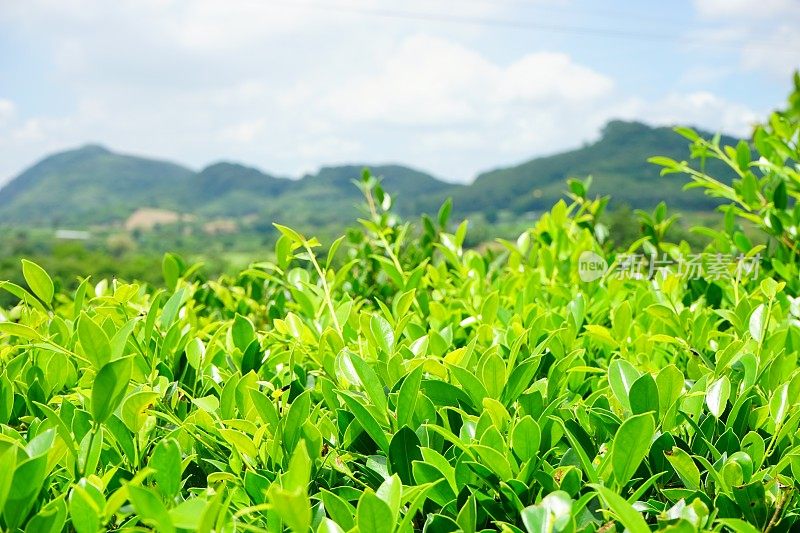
{"x":92,"y":185}
{"x":233,"y":189}
{"x":617,"y":163}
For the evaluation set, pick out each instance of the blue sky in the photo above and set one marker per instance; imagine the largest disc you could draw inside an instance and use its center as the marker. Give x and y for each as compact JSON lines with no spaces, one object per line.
{"x":451,"y":87}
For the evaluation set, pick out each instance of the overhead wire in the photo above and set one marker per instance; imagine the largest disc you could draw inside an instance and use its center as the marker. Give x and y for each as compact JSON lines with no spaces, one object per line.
{"x":568,"y":29}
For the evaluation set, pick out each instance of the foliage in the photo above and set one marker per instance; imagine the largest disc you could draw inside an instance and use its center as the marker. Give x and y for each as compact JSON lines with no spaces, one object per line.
{"x":765,"y":191}
{"x":401,"y":382}
{"x":406,"y":385}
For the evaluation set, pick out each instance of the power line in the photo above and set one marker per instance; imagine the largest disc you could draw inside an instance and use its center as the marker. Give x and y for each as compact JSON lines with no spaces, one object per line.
{"x":522,"y":25}
{"x":604,"y":12}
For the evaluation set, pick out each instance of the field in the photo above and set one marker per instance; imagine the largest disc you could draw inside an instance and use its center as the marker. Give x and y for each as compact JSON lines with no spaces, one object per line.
{"x":395,"y":380}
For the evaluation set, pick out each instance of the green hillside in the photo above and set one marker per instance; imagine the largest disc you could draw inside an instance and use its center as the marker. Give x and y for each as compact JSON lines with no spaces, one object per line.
{"x":232,"y":189}
{"x":617,"y":162}
{"x":329,"y":196}
{"x":93,"y":185}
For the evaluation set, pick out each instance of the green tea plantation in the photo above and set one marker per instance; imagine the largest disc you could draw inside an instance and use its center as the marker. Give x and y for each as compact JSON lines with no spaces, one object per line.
{"x":394,"y":381}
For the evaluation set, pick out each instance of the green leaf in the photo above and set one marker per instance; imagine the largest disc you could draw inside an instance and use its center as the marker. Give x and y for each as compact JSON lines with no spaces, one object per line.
{"x":367,"y":421}
{"x":84,"y":511}
{"x":38,"y":280}
{"x":298,"y":474}
{"x":670,"y":383}
{"x":467,"y":518}
{"x":149,"y":509}
{"x":779,"y":404}
{"x":403,"y":451}
{"x":758,"y":320}
{"x":109,"y":388}
{"x":738,"y":526}
{"x":290,"y":498}
{"x":685,"y":467}
{"x":8,"y":464}
{"x":663,"y":162}
{"x":495,"y":460}
{"x":334,"y":247}
{"x":290,"y":234}
{"x":444,"y":213}
{"x":779,"y":197}
{"x":29,"y":476}
{"x":643,"y":395}
{"x":188,"y":513}
{"x":50,"y":518}
{"x":552,"y":514}
{"x":743,"y":155}
{"x":338,"y":509}
{"x":717,"y":396}
{"x":751,"y":499}
{"x":390,"y":492}
{"x":94,"y":341}
{"x":293,"y":506}
{"x":586,"y":461}
{"x":295,"y":418}
{"x":373,"y":514}
{"x":536,"y":519}
{"x":243,"y":332}
{"x":134,"y":407}
{"x":329,"y":526}
{"x":630,"y":446}
{"x":493,"y":374}
{"x":171,"y":269}
{"x":362,"y":375}
{"x":172,"y":307}
{"x":382,"y":333}
{"x":19,"y":330}
{"x":687,"y":132}
{"x":23,"y":295}
{"x":166,"y":462}
{"x":210,"y":404}
{"x":407,"y":397}
{"x":526,"y":438}
{"x":621,"y":376}
{"x":623,"y":511}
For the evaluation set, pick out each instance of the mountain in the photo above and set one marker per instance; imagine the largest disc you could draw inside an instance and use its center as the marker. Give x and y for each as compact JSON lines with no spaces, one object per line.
{"x":617,"y":163}
{"x":329,"y":197}
{"x":233,"y":189}
{"x":92,"y":185}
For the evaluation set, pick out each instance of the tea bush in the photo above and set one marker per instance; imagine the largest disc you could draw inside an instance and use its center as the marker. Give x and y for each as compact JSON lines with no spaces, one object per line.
{"x":400,"y":382}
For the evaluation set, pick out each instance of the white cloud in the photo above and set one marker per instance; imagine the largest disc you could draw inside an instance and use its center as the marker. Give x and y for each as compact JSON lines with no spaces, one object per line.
{"x":425,"y":80}
{"x":432,"y":81}
{"x":458,"y":100}
{"x":748,"y":9}
{"x":286,"y":86}
{"x":7,"y":109}
{"x":327,"y":148}
{"x":700,"y":108}
{"x":243,"y":132}
{"x":31,"y":130}
{"x":763,"y":32}
{"x":780,"y":58}
{"x":546,"y":76}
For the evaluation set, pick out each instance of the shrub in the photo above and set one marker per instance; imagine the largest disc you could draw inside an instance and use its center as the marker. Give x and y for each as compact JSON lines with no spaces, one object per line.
{"x":400,"y":382}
